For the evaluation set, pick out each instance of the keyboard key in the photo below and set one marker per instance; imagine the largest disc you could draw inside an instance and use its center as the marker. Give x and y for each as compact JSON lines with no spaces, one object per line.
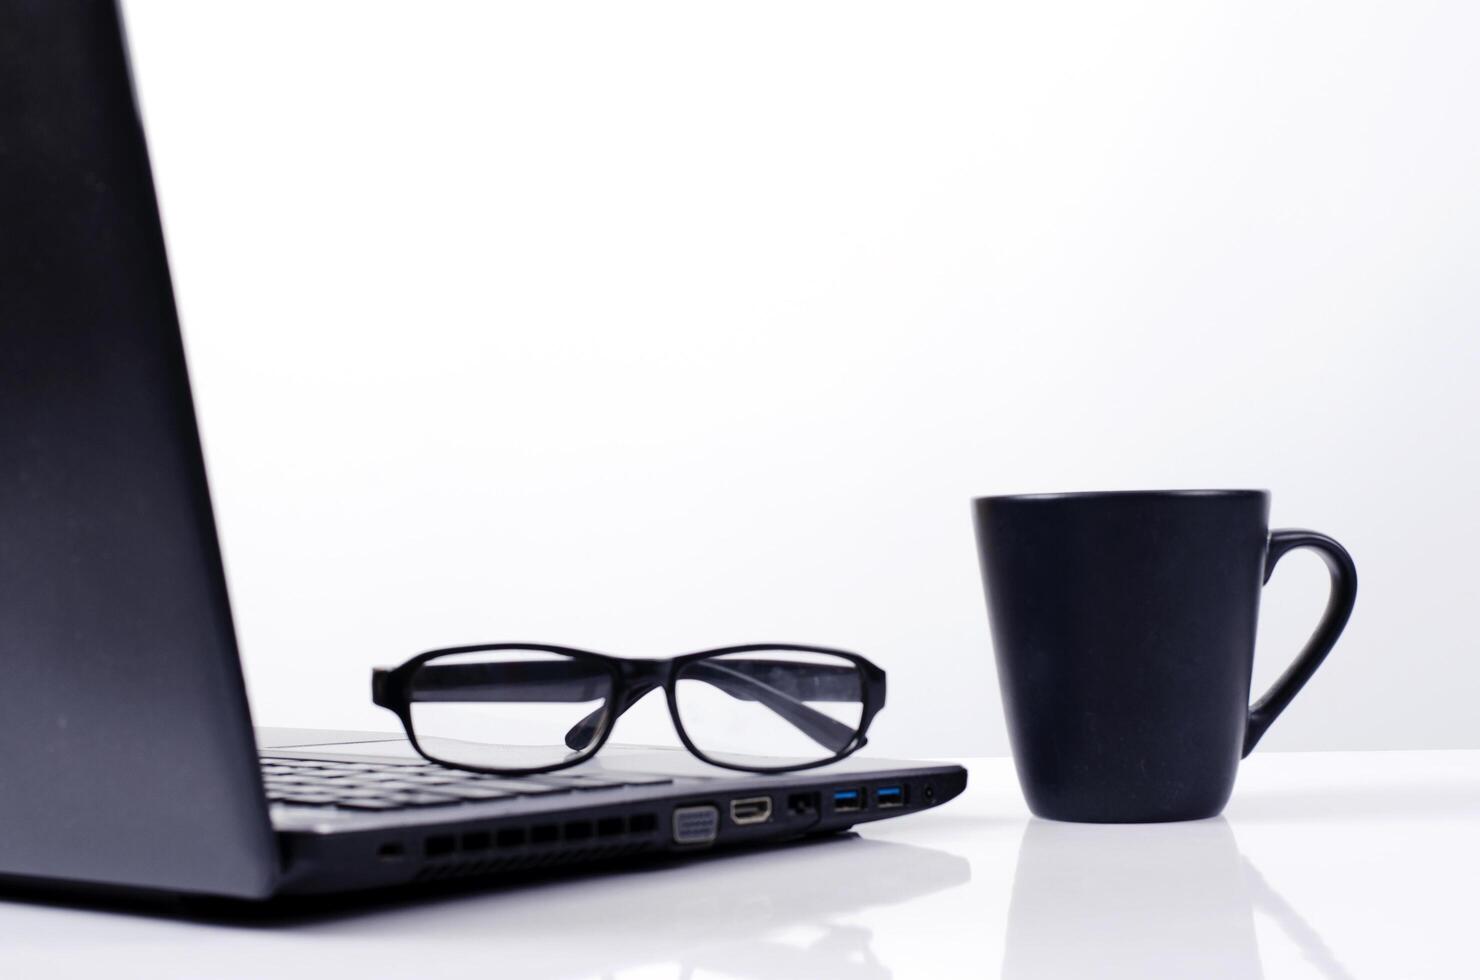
{"x":430,"y":779}
{"x":305,"y":799}
{"x":381,"y":777}
{"x":398,"y":786}
{"x":529,"y":787}
{"x":368,"y":804}
{"x":475,"y":792}
{"x":423,"y":799}
{"x":577,"y":782}
{"x":363,"y":792}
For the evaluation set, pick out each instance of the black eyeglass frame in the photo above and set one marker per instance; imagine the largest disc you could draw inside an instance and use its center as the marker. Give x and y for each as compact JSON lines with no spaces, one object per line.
{"x":632,"y":679}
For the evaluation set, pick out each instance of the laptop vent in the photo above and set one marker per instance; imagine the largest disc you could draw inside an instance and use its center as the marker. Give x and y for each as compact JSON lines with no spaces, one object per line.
{"x":509,"y":847}
{"x":471,"y":868}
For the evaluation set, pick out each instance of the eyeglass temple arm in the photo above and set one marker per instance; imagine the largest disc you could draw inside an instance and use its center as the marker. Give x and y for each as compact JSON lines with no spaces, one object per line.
{"x":547,"y":681}
{"x":828,"y":732}
{"x":553,"y":681}
{"x":582,"y":732}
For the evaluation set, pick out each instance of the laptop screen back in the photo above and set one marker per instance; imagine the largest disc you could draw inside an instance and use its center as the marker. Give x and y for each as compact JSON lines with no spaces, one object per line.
{"x":127,"y":745}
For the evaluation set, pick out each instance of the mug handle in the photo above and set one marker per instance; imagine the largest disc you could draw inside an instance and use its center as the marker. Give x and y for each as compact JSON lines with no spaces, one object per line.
{"x":1338,"y":610}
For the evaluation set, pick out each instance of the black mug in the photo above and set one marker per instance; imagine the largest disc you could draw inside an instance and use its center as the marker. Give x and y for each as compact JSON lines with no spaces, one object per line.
{"x":1123,"y":625}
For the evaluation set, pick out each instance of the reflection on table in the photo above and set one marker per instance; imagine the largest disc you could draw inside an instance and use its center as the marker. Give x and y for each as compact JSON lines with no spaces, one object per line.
{"x":1178,"y":899}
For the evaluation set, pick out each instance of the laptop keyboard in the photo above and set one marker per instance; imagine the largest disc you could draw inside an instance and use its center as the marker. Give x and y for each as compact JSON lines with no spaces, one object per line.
{"x":367,"y":786}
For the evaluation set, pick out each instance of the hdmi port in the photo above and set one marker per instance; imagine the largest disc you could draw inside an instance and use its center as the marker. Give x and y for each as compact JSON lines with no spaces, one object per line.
{"x":752,"y":809}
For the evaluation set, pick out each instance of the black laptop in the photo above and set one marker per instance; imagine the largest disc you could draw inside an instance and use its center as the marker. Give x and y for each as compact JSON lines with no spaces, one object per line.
{"x":127,"y":753}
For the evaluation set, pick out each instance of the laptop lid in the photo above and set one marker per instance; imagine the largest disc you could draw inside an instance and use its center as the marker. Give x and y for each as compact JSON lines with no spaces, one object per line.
{"x":126,"y":752}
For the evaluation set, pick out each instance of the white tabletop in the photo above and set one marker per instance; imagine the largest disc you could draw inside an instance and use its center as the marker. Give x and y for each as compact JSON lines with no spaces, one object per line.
{"x":1326,"y":865}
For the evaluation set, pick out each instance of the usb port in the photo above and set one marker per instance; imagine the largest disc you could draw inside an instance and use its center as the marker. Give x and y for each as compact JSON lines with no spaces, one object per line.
{"x":847,"y":799}
{"x":888,"y":797}
{"x":752,"y":809}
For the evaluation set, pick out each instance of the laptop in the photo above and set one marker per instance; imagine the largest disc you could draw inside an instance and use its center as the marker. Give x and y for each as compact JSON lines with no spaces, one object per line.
{"x":129,"y":757}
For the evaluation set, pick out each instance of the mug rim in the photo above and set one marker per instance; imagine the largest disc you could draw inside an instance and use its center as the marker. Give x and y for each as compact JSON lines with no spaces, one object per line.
{"x":1120,"y":494}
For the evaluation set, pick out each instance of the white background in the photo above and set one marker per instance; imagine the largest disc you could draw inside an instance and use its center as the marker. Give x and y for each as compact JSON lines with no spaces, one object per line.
{"x":649,"y":327}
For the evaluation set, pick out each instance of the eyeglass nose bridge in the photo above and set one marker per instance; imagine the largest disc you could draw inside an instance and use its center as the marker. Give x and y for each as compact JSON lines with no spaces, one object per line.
{"x":645,"y":673}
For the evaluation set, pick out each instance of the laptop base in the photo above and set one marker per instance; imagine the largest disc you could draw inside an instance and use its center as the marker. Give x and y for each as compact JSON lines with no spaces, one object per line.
{"x":673,"y":805}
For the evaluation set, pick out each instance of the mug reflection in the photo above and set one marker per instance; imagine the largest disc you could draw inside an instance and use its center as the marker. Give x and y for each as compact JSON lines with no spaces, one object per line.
{"x":1117,"y":900}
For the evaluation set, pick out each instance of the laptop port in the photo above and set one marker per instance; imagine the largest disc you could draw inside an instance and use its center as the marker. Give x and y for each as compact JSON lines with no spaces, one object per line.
{"x":889,"y":797}
{"x":802,"y":804}
{"x":845,"y":800}
{"x":695,"y":824}
{"x":752,"y":809}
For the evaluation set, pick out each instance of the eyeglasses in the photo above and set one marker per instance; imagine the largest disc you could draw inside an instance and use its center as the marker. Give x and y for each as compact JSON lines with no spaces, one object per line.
{"x":523,"y":708}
